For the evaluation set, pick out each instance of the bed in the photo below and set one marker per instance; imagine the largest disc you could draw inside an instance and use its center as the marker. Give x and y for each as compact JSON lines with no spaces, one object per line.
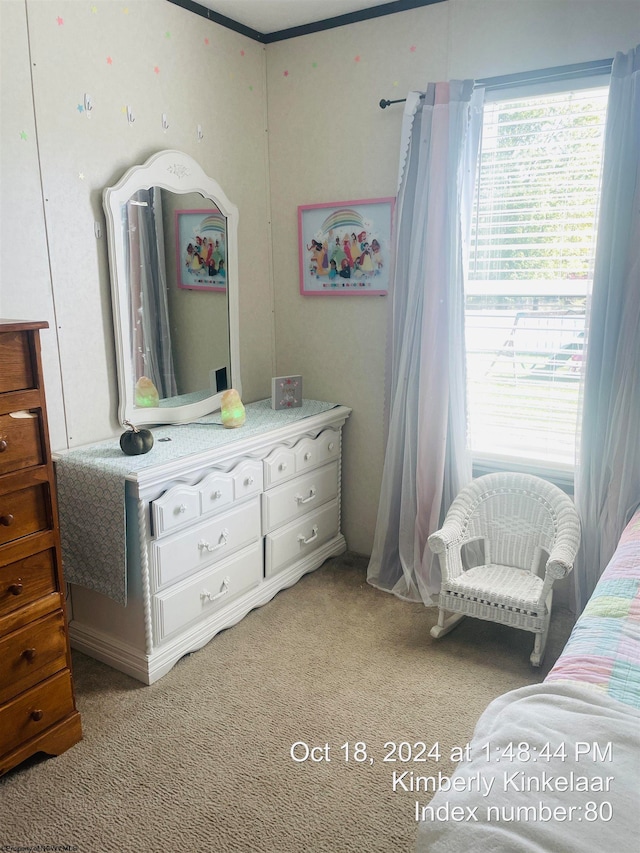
{"x":555,"y":767}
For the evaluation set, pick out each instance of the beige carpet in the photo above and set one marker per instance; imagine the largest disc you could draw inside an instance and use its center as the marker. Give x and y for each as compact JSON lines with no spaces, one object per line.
{"x":200,"y":761}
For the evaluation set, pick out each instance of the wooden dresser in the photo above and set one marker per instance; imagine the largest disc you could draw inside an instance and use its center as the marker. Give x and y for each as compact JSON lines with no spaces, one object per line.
{"x":37,"y":703}
{"x":217,"y":522}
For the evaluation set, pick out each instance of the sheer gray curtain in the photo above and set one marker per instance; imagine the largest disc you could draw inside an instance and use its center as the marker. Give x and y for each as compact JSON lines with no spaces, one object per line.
{"x":149,"y":311}
{"x":426,"y":460}
{"x":608,"y":475}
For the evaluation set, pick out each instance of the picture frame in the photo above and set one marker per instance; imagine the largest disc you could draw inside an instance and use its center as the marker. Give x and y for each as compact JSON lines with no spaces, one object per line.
{"x":345,"y":247}
{"x":286,"y":392}
{"x":201,"y":249}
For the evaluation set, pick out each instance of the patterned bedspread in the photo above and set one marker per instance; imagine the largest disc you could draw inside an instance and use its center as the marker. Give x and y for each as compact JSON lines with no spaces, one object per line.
{"x":604,"y":647}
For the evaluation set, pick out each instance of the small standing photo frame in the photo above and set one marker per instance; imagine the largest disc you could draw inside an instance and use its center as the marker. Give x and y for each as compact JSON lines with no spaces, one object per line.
{"x":286,"y":392}
{"x":345,"y":247}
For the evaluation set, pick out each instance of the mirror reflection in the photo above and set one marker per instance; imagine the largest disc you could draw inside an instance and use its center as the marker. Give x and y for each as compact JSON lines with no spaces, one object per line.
{"x":176,"y":262}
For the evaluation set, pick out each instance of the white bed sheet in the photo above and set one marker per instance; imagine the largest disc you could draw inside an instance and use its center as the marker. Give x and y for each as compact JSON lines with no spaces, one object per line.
{"x":584,"y":798}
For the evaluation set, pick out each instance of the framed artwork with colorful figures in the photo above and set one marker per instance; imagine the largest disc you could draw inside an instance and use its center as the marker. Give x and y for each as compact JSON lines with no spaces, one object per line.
{"x":201,"y":249}
{"x":345,"y":247}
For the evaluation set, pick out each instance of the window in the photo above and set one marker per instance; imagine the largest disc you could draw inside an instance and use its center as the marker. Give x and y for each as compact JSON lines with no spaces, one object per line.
{"x":531,"y":259}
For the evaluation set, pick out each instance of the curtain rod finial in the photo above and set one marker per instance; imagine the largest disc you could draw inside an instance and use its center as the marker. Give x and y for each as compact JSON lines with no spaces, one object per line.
{"x":384,"y":104}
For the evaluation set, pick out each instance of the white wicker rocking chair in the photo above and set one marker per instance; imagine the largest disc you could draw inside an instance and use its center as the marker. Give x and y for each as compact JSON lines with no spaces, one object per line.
{"x":521,"y":521}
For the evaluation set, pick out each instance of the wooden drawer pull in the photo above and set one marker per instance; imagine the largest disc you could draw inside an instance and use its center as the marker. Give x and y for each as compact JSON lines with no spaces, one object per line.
{"x":300,"y":500}
{"x":205,"y":595}
{"x":3,"y":445}
{"x":203,"y":545}
{"x":37,"y":715}
{"x":16,"y":588}
{"x":314,"y":535}
{"x":6,"y":520}
{"x":29,"y":654}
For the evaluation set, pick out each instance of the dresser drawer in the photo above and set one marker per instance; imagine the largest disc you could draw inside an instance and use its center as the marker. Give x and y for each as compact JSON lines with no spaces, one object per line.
{"x":15,"y":358}
{"x":27,"y":580}
{"x":279,"y":465}
{"x":301,"y":537}
{"x":310,"y":452}
{"x":31,"y":654}
{"x":293,"y":499}
{"x":178,"y":507}
{"x":23,"y":512}
{"x":283,"y":463}
{"x":203,"y":594}
{"x":205,"y":543}
{"x":20,"y":443}
{"x":215,"y":492}
{"x":247,"y":479}
{"x":35,"y":710}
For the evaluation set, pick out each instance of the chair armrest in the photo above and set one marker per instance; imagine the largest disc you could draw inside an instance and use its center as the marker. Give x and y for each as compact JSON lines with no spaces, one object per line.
{"x":447,"y":544}
{"x":561,"y":558}
{"x":449,"y":536}
{"x":563,"y":554}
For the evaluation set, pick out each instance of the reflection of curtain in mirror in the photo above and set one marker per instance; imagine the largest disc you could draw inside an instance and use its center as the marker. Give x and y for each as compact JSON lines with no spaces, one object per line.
{"x":151,"y":351}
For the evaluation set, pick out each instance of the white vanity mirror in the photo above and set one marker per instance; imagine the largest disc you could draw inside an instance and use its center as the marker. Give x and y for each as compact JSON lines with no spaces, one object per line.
{"x":174,"y":275}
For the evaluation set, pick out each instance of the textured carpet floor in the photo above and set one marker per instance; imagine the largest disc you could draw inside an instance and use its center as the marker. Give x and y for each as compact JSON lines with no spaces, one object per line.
{"x":201,"y":760}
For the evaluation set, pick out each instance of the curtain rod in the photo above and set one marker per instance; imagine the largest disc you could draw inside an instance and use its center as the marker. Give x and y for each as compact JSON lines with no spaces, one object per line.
{"x":545,"y":75}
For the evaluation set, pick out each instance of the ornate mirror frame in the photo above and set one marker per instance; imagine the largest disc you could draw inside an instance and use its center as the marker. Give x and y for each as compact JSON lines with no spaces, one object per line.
{"x":177,"y":173}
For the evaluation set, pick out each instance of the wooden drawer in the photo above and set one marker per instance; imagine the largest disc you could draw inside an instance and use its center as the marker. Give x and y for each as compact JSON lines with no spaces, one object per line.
{"x":207,"y":592}
{"x":297,"y":497}
{"x":310,"y":452}
{"x":215,"y":492}
{"x":23,"y":512}
{"x":31,"y":654}
{"x":284,"y":463}
{"x":181,"y":505}
{"x":26,"y":580}
{"x":15,"y":358}
{"x":198,"y":547}
{"x":176,"y":508}
{"x":294,"y":541}
{"x":35,"y":710}
{"x":279,"y":465}
{"x":20,"y":443}
{"x":247,"y":479}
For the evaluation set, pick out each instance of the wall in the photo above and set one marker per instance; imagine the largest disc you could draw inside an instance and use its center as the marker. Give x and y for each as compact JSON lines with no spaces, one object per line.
{"x":330,"y":141}
{"x":57,"y":157}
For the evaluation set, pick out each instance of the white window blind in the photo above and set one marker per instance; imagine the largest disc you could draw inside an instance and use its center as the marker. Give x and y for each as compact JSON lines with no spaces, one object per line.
{"x":532,"y":249}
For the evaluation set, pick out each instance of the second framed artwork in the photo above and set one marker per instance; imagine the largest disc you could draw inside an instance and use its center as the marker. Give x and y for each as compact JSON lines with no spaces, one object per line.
{"x":201,"y":249}
{"x":345,"y":247}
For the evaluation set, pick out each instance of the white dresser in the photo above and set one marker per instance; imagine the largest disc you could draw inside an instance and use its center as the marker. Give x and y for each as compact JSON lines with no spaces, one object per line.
{"x":214,"y":526}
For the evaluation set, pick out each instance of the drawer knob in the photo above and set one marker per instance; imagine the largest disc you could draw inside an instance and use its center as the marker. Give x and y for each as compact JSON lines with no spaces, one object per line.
{"x":37,"y":715}
{"x":182,"y":508}
{"x":29,"y":654}
{"x":16,"y":588}
{"x":216,"y":495}
{"x":331,"y":445}
{"x":6,"y":520}
{"x":307,"y":457}
{"x":205,"y":595}
{"x":3,"y":445}
{"x":203,"y":545}
{"x":282,"y":466}
{"x":249,"y":481}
